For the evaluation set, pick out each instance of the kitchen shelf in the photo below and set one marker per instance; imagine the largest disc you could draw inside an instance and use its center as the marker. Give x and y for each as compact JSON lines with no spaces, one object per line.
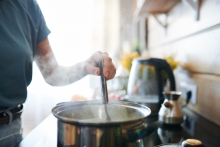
{"x":194,"y":4}
{"x":155,"y":7}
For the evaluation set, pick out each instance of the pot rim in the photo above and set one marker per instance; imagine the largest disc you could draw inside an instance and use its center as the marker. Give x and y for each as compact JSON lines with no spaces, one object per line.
{"x":65,"y":105}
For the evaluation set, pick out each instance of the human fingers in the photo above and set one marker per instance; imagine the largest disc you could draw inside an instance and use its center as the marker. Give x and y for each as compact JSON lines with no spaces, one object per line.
{"x":112,"y":72}
{"x":109,"y":69}
{"x":97,"y":57}
{"x":91,"y":64}
{"x":91,"y":69}
{"x":105,"y":53}
{"x":113,"y":96}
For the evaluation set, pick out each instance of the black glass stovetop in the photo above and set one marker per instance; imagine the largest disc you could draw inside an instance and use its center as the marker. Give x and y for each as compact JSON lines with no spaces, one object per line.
{"x":193,"y":127}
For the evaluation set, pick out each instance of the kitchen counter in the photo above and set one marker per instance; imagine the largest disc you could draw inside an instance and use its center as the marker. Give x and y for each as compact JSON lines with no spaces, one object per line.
{"x":44,"y":135}
{"x":194,"y":126}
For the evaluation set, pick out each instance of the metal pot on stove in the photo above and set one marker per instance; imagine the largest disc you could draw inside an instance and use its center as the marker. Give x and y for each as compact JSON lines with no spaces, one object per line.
{"x":96,"y":123}
{"x":86,"y":124}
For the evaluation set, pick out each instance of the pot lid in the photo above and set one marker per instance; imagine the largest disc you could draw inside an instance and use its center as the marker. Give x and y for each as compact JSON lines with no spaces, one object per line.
{"x":94,"y":112}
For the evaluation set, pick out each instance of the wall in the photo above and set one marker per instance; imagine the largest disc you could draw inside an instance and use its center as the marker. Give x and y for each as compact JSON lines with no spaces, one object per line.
{"x":196,"y":45}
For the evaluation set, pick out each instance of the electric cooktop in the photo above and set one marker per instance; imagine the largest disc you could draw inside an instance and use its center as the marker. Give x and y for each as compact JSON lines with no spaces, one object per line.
{"x":193,"y":127}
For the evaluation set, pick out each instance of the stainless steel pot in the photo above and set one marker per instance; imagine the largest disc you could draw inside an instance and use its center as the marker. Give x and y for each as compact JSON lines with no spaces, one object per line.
{"x":87,"y":124}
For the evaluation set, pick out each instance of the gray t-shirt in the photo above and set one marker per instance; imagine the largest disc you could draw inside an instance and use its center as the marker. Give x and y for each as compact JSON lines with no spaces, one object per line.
{"x":22,"y":26}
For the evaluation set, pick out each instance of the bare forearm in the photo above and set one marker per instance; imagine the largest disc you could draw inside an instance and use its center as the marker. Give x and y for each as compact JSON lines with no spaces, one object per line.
{"x":57,"y":75}
{"x":53,"y":73}
{"x":62,"y":75}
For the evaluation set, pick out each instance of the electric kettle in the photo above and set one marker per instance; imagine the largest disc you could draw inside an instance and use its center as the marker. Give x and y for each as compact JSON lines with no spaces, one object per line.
{"x":147,"y":79}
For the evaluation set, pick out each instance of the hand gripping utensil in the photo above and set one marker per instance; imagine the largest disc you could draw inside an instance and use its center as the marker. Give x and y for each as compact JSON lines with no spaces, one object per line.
{"x":103,"y":83}
{"x":104,"y":90}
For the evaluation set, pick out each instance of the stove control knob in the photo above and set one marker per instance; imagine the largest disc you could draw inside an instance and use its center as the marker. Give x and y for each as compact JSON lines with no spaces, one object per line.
{"x":192,"y":143}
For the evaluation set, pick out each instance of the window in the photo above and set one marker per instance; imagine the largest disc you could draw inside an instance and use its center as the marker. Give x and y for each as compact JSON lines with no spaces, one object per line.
{"x":70,"y":22}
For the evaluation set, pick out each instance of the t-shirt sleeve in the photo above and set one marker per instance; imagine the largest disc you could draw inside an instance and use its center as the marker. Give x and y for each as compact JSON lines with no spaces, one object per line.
{"x":43,"y":30}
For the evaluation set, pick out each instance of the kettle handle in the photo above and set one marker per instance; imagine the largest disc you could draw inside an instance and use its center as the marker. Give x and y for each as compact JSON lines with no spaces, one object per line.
{"x":164,"y":65}
{"x":161,"y":65}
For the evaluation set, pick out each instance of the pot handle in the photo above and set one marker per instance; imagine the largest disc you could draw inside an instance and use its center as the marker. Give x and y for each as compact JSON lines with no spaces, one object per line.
{"x":138,"y":133}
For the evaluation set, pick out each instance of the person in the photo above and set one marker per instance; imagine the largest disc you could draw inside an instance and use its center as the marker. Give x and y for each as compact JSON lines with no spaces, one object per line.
{"x":23,"y":40}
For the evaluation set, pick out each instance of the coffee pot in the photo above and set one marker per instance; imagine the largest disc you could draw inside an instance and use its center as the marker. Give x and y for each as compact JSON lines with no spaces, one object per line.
{"x":170,"y":111}
{"x":147,"y":79}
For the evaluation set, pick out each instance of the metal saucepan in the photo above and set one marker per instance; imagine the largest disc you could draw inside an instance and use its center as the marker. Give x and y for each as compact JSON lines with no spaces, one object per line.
{"x":92,"y":124}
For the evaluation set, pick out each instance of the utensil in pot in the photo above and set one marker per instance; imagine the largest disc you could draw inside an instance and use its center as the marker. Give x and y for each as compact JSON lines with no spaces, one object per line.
{"x":104,"y":89}
{"x":84,"y":123}
{"x":92,"y":112}
{"x":103,"y":83}
{"x":108,"y":118}
{"x":88,"y":123}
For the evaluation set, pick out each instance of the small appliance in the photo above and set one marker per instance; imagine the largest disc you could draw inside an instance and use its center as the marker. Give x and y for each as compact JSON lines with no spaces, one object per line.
{"x":170,"y":111}
{"x":147,"y":80}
